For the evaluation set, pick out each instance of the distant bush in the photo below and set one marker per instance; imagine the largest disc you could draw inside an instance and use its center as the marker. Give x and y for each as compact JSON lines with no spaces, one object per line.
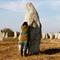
{"x":9,"y":31}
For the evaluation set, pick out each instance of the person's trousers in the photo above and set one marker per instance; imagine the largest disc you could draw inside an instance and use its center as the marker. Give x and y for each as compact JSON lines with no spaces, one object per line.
{"x":23,"y":48}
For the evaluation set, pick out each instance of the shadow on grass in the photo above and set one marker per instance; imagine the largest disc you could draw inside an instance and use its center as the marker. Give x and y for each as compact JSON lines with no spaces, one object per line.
{"x":50,"y":51}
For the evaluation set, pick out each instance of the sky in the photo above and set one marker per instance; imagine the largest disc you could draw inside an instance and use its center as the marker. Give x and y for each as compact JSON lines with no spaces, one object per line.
{"x":12,"y":14}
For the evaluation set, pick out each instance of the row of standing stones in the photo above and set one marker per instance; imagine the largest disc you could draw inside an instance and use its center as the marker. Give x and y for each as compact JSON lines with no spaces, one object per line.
{"x":17,"y":35}
{"x":8,"y":33}
{"x":50,"y":35}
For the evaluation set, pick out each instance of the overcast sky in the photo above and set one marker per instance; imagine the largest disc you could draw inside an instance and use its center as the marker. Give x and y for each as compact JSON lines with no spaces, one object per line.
{"x":12,"y":13}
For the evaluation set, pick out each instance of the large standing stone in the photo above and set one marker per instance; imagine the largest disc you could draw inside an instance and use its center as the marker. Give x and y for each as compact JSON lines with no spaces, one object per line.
{"x":35,"y":28}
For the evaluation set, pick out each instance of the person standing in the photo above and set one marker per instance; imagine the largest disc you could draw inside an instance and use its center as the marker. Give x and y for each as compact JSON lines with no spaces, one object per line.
{"x":24,"y":38}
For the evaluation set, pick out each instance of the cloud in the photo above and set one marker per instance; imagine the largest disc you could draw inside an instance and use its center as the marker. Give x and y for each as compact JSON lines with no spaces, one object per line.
{"x":12,"y":5}
{"x":16,"y":5}
{"x":52,"y":4}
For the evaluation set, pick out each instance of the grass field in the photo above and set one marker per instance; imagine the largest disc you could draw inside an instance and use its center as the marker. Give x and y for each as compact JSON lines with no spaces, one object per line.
{"x":49,"y":50}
